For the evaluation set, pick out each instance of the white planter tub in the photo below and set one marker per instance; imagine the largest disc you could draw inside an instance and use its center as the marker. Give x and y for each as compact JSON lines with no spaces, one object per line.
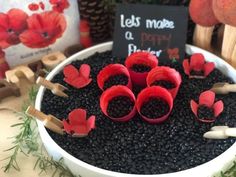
{"x":86,"y":170}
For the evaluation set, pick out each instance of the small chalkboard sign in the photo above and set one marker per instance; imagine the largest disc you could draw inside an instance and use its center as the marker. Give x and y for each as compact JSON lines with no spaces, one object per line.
{"x":160,"y":30}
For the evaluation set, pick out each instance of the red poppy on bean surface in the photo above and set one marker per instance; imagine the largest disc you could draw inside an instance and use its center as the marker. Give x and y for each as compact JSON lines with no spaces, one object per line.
{"x":12,"y":24}
{"x":59,"y":5}
{"x":43,"y":29}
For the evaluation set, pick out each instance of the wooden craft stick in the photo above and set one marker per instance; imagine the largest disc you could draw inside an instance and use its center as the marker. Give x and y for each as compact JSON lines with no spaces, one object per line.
{"x":56,"y":88}
{"x":13,"y":75}
{"x":52,"y":60}
{"x":223,"y":88}
{"x":220,"y":132}
{"x":8,"y":89}
{"x":49,"y":121}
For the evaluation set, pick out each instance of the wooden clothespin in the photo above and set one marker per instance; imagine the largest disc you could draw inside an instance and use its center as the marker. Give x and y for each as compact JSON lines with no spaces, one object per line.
{"x":57,"y":89}
{"x":49,"y":121}
{"x":50,"y":61}
{"x":220,"y":132}
{"x":223,"y":88}
{"x":14,"y":74}
{"x":8,"y":89}
{"x":37,"y":68}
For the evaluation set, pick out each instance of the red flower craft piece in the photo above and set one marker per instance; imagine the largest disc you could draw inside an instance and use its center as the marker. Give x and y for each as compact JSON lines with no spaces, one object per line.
{"x":197,"y":63}
{"x":77,"y":78}
{"x":112,"y":70}
{"x":33,"y":7}
{"x":77,"y":124}
{"x":12,"y":25}
{"x":140,"y":58}
{"x":59,"y":5}
{"x":207,"y":99}
{"x":173,"y":53}
{"x":43,"y":29}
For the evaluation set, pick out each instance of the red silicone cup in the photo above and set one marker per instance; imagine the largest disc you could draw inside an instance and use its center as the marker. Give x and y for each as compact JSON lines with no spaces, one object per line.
{"x":113,"y":92}
{"x":154,"y":91}
{"x":144,"y":58}
{"x":111,"y":70}
{"x":167,"y":74}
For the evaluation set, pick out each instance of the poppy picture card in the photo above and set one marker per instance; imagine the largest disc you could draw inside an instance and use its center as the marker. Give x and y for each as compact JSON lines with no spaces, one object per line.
{"x":31,"y":29}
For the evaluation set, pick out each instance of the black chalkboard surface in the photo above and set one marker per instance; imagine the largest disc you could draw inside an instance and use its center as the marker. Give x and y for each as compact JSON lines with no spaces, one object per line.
{"x":161,"y":30}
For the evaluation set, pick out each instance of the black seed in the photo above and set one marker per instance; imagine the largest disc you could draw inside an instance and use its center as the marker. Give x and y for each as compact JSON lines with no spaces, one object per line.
{"x":135,"y":146}
{"x":119,"y":79}
{"x":155,"y":107}
{"x":204,"y":112}
{"x":140,"y":68}
{"x":197,"y":73}
{"x":164,"y":83}
{"x":120,"y":106}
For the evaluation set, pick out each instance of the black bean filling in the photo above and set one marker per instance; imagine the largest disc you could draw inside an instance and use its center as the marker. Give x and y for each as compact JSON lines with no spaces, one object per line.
{"x":140,"y":68}
{"x":196,"y":73}
{"x":136,"y":146}
{"x":119,"y":79}
{"x":120,"y":106}
{"x":204,"y":112}
{"x":164,"y":84}
{"x":154,"y":108}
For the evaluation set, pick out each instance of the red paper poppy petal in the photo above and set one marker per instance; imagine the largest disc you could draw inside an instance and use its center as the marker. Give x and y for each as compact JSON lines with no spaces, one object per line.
{"x":17,"y":20}
{"x":67,"y":127}
{"x":77,"y":117}
{"x":218,"y":108}
{"x":70,"y":72}
{"x":154,"y":91}
{"x":165,"y":73}
{"x":113,"y":92}
{"x":207,"y":98}
{"x":80,"y":82}
{"x":194,"y":107}
{"x":197,"y":62}
{"x":208,"y":68}
{"x":186,"y":67}
{"x":33,"y":7}
{"x":91,"y":123}
{"x":111,"y":70}
{"x":80,"y":130}
{"x":84,"y":70}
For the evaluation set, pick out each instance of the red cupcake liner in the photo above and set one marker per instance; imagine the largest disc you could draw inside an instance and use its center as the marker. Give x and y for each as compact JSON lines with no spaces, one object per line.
{"x":167,"y":74}
{"x":112,"y":70}
{"x":144,"y":58}
{"x":113,"y":92}
{"x":154,"y":91}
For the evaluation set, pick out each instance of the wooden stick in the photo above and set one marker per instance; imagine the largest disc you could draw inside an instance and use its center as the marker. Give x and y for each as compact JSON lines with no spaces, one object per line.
{"x":229,"y":42}
{"x":202,"y":37}
{"x":56,"y":88}
{"x":49,"y":121}
{"x":53,"y":59}
{"x":223,"y":88}
{"x":220,"y":132}
{"x":233,"y":58}
{"x":13,"y":75}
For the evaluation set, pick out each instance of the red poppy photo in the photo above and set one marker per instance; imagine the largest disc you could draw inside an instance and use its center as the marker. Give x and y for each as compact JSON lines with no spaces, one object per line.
{"x":43,"y":29}
{"x":173,"y":53}
{"x":12,"y":24}
{"x":59,"y":5}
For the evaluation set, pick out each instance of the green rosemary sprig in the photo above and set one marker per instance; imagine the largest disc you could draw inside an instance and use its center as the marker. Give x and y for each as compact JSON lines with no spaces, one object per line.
{"x":26,"y":138}
{"x":231,"y":172}
{"x":59,"y":168}
{"x":26,"y":142}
